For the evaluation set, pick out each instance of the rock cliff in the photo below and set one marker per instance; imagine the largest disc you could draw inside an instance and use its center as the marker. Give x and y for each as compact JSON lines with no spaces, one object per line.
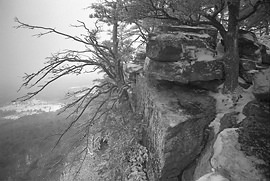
{"x":176,"y":120}
{"x":192,"y":131}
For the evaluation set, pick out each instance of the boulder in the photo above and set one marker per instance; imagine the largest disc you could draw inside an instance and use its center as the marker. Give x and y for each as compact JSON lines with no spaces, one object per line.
{"x":251,"y":48}
{"x":211,"y":85}
{"x":257,"y":110}
{"x":177,"y":47}
{"x":185,"y":72}
{"x":245,"y":35}
{"x":265,"y":55}
{"x":246,"y":75}
{"x":233,"y":163}
{"x":246,"y":66}
{"x":239,"y":154}
{"x":203,"y":165}
{"x":261,"y":84}
{"x":266,"y":59}
{"x":212,"y":32}
{"x":265,"y":49}
{"x":254,"y":135}
{"x":248,"y":46}
{"x":175,"y":121}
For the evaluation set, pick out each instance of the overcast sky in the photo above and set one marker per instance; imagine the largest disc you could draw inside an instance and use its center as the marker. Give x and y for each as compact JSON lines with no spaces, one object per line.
{"x":22,"y":53}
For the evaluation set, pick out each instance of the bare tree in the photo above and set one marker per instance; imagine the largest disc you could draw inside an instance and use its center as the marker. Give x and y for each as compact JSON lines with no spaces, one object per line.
{"x":104,"y":56}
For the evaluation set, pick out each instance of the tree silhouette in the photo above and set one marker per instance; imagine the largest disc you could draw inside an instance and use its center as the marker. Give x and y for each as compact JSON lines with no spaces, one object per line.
{"x":107,"y":56}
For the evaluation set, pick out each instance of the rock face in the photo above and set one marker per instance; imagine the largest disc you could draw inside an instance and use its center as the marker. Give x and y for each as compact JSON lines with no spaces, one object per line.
{"x":249,"y":46}
{"x":261,"y":82}
{"x":253,"y":55}
{"x":195,"y":30}
{"x":231,"y":162}
{"x":185,"y":72}
{"x":203,"y":164}
{"x":245,"y":69}
{"x":184,"y":57}
{"x":265,"y":55}
{"x":240,"y":153}
{"x":177,"y":110}
{"x":177,"y":47}
{"x":175,"y":118}
{"x":254,"y":134}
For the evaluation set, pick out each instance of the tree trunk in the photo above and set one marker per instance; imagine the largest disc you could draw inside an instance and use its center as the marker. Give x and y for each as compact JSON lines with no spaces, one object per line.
{"x":231,"y":58}
{"x":117,"y":58}
{"x":266,"y":27}
{"x":120,"y":81}
{"x":115,"y":40}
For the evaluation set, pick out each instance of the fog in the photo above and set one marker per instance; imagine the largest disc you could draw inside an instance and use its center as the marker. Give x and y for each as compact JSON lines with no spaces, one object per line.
{"x":22,"y":53}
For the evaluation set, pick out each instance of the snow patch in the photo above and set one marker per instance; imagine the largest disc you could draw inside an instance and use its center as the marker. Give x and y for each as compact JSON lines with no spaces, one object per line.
{"x":216,"y":123}
{"x":193,"y":27}
{"x":252,"y":71}
{"x":212,"y":177}
{"x":13,"y":117}
{"x":30,"y":107}
{"x":246,"y":96}
{"x":225,"y":103}
{"x":197,"y":35}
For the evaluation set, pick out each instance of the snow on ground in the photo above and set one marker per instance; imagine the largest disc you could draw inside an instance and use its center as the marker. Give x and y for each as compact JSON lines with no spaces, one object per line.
{"x":30,"y":107}
{"x":193,"y":27}
{"x":196,"y":34}
{"x":225,"y":103}
{"x":212,"y":177}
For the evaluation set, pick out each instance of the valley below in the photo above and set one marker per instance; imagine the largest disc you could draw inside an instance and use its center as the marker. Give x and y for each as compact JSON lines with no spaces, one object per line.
{"x":28,"y":134}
